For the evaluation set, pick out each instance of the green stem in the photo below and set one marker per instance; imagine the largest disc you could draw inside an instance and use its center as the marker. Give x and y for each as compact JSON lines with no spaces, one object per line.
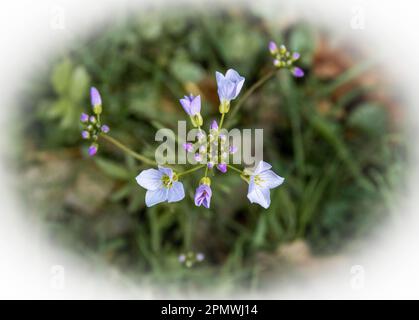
{"x":235,"y":169}
{"x":190,"y":170}
{"x":124,"y":148}
{"x":252,"y":89}
{"x":221,"y":121}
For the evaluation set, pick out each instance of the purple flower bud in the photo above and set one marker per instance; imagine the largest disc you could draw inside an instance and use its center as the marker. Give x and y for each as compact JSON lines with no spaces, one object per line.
{"x":191,"y":104}
{"x":277,"y":63}
{"x":214,"y":125}
{"x":222,"y":167}
{"x":203,"y":149}
{"x":95,"y":97}
{"x":182,"y":258}
{"x":198,"y":157}
{"x":200,"y":256}
{"x":210,"y":165}
{"x":105,"y":128}
{"x":85,"y":134}
{"x":297,"y":72}
{"x":203,"y":195}
{"x":92,"y":150}
{"x":84,"y":117}
{"x":188,"y":147}
{"x":295,"y":56}
{"x":92,"y":119}
{"x":232,"y":149}
{"x":273,"y":47}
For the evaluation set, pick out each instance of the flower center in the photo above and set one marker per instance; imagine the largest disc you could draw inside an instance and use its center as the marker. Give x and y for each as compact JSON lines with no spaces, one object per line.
{"x":259,"y":181}
{"x":167,"y":182}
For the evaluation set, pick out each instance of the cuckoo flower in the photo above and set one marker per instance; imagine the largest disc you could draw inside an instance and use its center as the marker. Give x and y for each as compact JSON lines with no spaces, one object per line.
{"x":162,"y":185}
{"x":192,"y":106}
{"x":203,"y":193}
{"x":229,"y":86}
{"x":261,"y":180}
{"x":92,"y":125}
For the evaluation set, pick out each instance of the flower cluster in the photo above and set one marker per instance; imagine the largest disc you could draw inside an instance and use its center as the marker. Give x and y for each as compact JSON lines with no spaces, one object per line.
{"x":285,"y":59}
{"x":209,"y":151}
{"x":92,"y":126}
{"x":212,"y":150}
{"x":190,"y":259}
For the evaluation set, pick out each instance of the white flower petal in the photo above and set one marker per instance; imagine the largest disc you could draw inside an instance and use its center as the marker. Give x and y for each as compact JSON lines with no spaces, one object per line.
{"x":166,"y":171}
{"x":150,"y":179}
{"x":239,"y":87}
{"x":262,"y":166}
{"x":219,"y":76}
{"x":196,"y":105}
{"x":259,"y":195}
{"x":153,"y":197}
{"x":176,"y":192}
{"x":270,"y":179}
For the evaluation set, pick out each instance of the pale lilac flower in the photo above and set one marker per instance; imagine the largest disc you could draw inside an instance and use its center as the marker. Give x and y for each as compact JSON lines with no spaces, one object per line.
{"x":84,"y":117}
{"x":210,"y":165}
{"x":200,"y":256}
{"x":262,"y":179}
{"x":85,"y":134}
{"x":229,"y":86}
{"x":95,"y":97}
{"x":273,"y":48}
{"x":198,"y":157}
{"x":214,"y":125}
{"x":188,"y":147}
{"x":222,"y":167}
{"x":297,"y":72}
{"x":161,"y":185}
{"x":295,"y":56}
{"x":105,"y":128}
{"x":232,"y":149}
{"x":203,"y":196}
{"x":191,"y":104}
{"x":92,"y":150}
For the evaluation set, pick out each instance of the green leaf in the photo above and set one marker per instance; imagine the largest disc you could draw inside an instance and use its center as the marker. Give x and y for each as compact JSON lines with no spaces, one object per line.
{"x":61,"y":76}
{"x":79,"y":84}
{"x":186,"y":71}
{"x":370,"y":118}
{"x":113,"y":169}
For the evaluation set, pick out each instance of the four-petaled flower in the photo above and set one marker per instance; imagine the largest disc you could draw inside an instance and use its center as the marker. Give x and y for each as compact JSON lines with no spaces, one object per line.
{"x":261,"y":180}
{"x":191,"y":104}
{"x":229,"y":86}
{"x":203,"y":195}
{"x":162,"y":185}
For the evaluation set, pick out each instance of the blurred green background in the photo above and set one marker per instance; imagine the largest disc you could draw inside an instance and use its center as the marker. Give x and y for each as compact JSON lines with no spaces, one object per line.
{"x":335,"y":135}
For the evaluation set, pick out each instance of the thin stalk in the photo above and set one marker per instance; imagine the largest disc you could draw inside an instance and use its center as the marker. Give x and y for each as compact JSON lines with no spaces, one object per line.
{"x":235,"y":169}
{"x":190,"y":170}
{"x":126,"y":149}
{"x":222,"y":120}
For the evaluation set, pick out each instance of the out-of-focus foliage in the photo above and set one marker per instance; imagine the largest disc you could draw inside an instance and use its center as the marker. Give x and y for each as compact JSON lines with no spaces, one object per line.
{"x":333,"y":135}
